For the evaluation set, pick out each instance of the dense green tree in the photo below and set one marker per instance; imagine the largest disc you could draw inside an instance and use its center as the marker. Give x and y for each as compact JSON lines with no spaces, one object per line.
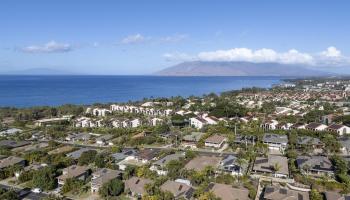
{"x":72,"y":184}
{"x":100,"y":161}
{"x":112,"y":188}
{"x":25,"y":176}
{"x":44,"y":178}
{"x":8,"y":195}
{"x":315,"y":195}
{"x":129,"y":172}
{"x":162,"y":128}
{"x":87,"y":157}
{"x":174,"y":168}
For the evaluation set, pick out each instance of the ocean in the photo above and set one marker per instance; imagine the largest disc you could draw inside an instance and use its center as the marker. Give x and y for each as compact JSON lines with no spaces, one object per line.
{"x":27,"y":91}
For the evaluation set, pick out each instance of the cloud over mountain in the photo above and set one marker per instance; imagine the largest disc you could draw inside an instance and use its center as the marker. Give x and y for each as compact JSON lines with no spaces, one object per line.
{"x":330,"y":56}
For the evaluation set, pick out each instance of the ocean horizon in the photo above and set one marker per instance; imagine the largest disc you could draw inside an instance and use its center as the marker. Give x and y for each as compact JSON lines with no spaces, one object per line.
{"x":54,"y":90}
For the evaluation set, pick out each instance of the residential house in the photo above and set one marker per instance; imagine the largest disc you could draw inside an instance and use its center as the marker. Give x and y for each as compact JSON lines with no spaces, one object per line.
{"x":30,"y":148}
{"x":147,"y":155}
{"x":104,"y":140}
{"x":315,"y":165}
{"x":339,"y":129}
{"x":78,"y":137}
{"x":131,"y":123}
{"x":11,"y":161}
{"x":272,"y":165}
{"x":63,"y":149}
{"x":65,"y":118}
{"x":200,"y":162}
{"x":279,"y":193}
{"x":135,"y":123}
{"x":192,"y":139}
{"x":284,"y":126}
{"x":314,"y":143}
{"x":283,"y":111}
{"x":139,"y":158}
{"x":227,"y":192}
{"x":211,"y":120}
{"x":245,"y":139}
{"x":215,"y":141}
{"x":73,"y":172}
{"x":156,"y":121}
{"x":127,"y":157}
{"x":198,"y":122}
{"x":101,"y":112}
{"x":275,"y":141}
{"x":160,"y":165}
{"x":298,"y":126}
{"x":232,"y":165}
{"x":269,"y":125}
{"x":178,"y":189}
{"x":102,"y":176}
{"x":76,"y":154}
{"x":11,"y":131}
{"x":135,"y":186}
{"x":32,"y":167}
{"x":126,"y":153}
{"x":314,"y":126}
{"x":10,"y":144}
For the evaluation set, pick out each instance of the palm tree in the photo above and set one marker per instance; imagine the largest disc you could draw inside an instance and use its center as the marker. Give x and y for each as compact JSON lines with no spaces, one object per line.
{"x":276,"y":167}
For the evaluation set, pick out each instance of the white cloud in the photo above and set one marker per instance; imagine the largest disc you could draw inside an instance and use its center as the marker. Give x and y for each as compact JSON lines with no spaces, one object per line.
{"x":331,"y":52}
{"x":133,"y":39}
{"x":50,"y":47}
{"x":138,"y":38}
{"x":293,"y":56}
{"x":174,"y":38}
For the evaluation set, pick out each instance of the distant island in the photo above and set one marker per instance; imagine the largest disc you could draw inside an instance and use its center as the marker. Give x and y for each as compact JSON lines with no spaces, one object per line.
{"x":202,"y":68}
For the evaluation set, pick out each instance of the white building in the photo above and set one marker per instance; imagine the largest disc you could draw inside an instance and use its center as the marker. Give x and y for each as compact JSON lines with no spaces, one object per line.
{"x":339,"y":129}
{"x":269,"y":125}
{"x":198,"y":122}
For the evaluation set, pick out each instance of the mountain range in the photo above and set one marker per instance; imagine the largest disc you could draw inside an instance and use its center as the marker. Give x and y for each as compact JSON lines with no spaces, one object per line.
{"x":203,"y":68}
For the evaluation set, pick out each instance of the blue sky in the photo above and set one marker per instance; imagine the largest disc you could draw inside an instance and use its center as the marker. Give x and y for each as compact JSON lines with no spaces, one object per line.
{"x":141,"y":37}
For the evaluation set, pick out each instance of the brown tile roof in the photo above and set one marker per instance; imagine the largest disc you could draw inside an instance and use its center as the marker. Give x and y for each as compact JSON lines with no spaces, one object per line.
{"x":148,"y":154}
{"x":227,"y":192}
{"x":335,"y":126}
{"x":137,"y":185}
{"x":313,"y":125}
{"x":9,"y":161}
{"x":200,"y":162}
{"x":73,"y":172}
{"x":215,"y":139}
{"x":177,"y":189}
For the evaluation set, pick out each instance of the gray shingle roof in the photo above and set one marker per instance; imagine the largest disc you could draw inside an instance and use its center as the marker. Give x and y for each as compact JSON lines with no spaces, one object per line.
{"x":275,"y":138}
